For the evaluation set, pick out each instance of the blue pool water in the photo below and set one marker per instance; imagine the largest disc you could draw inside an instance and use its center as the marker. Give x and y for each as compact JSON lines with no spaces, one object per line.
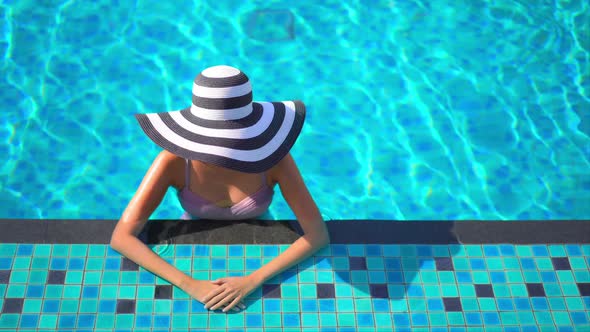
{"x":416,"y":109}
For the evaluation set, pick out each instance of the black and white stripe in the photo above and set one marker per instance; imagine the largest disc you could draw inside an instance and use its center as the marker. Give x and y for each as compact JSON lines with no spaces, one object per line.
{"x":224,"y":126}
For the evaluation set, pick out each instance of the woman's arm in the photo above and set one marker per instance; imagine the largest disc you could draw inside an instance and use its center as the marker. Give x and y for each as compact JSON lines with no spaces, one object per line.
{"x":308,"y":215}
{"x":124,"y":239}
{"x":315,"y":237}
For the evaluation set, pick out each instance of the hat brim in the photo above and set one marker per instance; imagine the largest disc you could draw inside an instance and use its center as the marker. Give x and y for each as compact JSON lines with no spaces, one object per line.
{"x":252,"y":144}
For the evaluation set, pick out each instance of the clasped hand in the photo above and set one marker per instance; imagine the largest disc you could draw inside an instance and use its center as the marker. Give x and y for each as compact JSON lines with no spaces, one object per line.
{"x":229,"y":293}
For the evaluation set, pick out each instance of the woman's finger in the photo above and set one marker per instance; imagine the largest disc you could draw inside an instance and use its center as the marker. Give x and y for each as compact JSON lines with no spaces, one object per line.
{"x":214,"y":292}
{"x":232,"y":304}
{"x":219,"y":300}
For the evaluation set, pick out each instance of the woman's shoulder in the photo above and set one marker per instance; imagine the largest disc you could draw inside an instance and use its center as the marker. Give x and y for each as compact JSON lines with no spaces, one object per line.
{"x":171,"y":166}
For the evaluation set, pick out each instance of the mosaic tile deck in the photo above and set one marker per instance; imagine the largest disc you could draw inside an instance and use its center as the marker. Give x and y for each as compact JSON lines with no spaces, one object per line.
{"x":342,"y":288}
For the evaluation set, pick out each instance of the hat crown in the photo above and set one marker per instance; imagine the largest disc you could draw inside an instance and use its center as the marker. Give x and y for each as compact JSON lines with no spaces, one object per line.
{"x":221,"y":93}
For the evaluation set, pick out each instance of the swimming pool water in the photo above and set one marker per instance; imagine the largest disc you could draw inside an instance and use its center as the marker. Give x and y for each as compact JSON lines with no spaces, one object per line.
{"x":416,"y":110}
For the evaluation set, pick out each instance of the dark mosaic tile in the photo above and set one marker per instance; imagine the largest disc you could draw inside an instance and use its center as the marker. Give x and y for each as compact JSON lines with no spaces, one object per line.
{"x":326,"y":291}
{"x":452,"y":304}
{"x":4,"y":277}
{"x":128,"y":265}
{"x":271,"y":291}
{"x":125,"y":306}
{"x":584,"y":288}
{"x":12,"y":306}
{"x":163,"y":292}
{"x":56,"y":277}
{"x":561,"y":263}
{"x":357,"y":263}
{"x":444,"y":264}
{"x":378,"y":291}
{"x":484,"y":290}
{"x":536,"y":290}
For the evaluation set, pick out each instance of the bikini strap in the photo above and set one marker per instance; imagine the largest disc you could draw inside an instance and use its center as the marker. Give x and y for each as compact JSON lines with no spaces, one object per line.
{"x":187,"y":173}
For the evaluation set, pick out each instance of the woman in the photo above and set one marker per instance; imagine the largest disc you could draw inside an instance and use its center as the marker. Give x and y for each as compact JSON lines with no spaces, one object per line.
{"x":223,"y":154}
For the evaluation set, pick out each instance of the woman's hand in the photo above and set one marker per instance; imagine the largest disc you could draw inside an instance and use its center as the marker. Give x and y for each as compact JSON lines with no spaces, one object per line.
{"x":230,"y":292}
{"x":198,"y":289}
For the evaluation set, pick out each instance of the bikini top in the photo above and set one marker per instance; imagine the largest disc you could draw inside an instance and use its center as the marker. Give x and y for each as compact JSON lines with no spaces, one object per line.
{"x":248,"y":208}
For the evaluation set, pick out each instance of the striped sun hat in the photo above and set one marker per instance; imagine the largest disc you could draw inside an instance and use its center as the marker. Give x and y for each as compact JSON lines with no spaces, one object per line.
{"x":223,"y":126}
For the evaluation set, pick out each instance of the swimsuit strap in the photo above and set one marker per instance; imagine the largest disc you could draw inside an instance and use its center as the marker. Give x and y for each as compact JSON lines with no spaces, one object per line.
{"x":187,"y":174}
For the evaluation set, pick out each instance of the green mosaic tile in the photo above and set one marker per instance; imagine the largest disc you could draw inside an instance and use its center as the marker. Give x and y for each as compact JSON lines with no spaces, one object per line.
{"x":127,"y":292}
{"x":94,"y":264}
{"x":38,"y":277}
{"x":417,"y":304}
{"x":218,"y":251}
{"x":307,"y":277}
{"x":487,"y":304}
{"x":291,"y":306}
{"x":129,"y":277}
{"x":183,"y":264}
{"x":180,"y":321}
{"x":430,"y":277}
{"x":72,"y":291}
{"x":400,"y":305}
{"x":525,"y":316}
{"x":15,"y":290}
{"x":308,"y":291}
{"x":73,"y":277}
{"x":21,"y":263}
{"x":544,"y":263}
{"x":561,"y":318}
{"x":9,"y":320}
{"x":511,"y":263}
{"x":105,"y":321}
{"x":42,"y":250}
{"x":178,"y":294}
{"x":60,"y":250}
{"x":346,"y":320}
{"x":565,"y":276}
{"x":450,"y":290}
{"x":32,"y":305}
{"x":543,"y":317}
{"x":494,"y":264}
{"x":19,"y":277}
{"x":578,"y":263}
{"x":328,"y":320}
{"x":375,"y":263}
{"x":344,"y":305}
{"x":162,"y":306}
{"x":383,"y":320}
{"x":88,"y":306}
{"x":524,"y":251}
{"x":361,"y":290}
{"x":446,"y":277}
{"x":69,"y":306}
{"x":110,"y":277}
{"x":481,"y":277}
{"x":363,"y":305}
{"x":96,"y":250}
{"x":40,"y":263}
{"x":461,"y":264}
{"x":574,"y":303}
{"x":325,"y":277}
{"x":236,"y":264}
{"x":508,"y":318}
{"x":79,"y":250}
{"x":532,"y":276}
{"x":272,"y":320}
{"x":474,"y":251}
{"x":253,"y":251}
{"x":201,"y":275}
{"x":124,"y":321}
{"x":557,"y":303}
{"x":582,"y":276}
{"x":143,"y":306}
{"x":514,"y":277}
{"x":557,"y":250}
{"x":108,"y":292}
{"x":518,"y":290}
{"x":289,"y":291}
{"x":469,"y":304}
{"x":501,"y":290}
{"x":7,"y":249}
{"x":145,"y":292}
{"x":466,"y":290}
{"x":202,"y":263}
{"x":47,"y":321}
{"x":432,"y":291}
{"x":455,"y":318}
{"x":438,"y":319}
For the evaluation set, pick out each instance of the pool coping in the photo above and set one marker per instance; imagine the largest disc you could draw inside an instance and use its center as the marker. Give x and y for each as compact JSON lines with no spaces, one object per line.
{"x":286,"y":231}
